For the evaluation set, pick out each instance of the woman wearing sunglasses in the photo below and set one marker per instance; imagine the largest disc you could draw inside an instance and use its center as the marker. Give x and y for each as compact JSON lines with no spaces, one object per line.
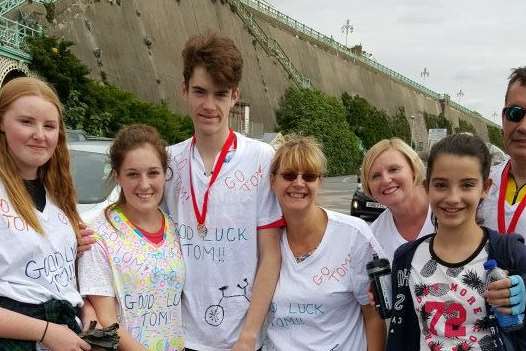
{"x":320,"y":302}
{"x":503,"y":208}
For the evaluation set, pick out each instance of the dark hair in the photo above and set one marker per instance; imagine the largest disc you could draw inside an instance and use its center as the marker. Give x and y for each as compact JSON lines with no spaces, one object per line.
{"x":461,"y":145}
{"x":218,"y":55}
{"x":517,"y":75}
{"x":130,"y":138}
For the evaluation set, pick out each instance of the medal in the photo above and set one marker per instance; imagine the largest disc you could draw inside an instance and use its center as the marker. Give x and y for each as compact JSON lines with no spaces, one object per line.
{"x":200,"y":215}
{"x":201,"y":229}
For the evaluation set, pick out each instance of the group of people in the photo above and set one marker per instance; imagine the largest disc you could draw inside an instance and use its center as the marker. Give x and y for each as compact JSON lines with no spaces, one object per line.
{"x":217,"y":243}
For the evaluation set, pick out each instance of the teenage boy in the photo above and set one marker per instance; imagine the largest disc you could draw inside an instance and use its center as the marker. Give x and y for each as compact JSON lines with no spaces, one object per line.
{"x":226,"y":215}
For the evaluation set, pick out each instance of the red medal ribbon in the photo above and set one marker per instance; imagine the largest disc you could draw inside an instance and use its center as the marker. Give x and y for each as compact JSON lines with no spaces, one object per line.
{"x":201,"y":215}
{"x":501,"y":218}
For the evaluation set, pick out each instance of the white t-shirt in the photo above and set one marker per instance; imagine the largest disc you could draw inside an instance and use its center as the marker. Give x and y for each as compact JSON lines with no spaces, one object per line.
{"x":488,"y":209}
{"x":316,"y":305}
{"x":36,"y":268}
{"x":146,"y":278}
{"x":386,"y":233}
{"x":239,"y":202}
{"x":449,"y":300}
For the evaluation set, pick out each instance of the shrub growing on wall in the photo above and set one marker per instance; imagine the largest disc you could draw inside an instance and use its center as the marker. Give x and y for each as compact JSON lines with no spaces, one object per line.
{"x":311,"y":112}
{"x":438,"y":122}
{"x":495,"y":136}
{"x":98,"y":108}
{"x":372,"y":125}
{"x":465,"y":127}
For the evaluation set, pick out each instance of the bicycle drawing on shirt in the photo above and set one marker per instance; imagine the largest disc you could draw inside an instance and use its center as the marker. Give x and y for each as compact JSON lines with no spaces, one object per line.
{"x":215,"y":314}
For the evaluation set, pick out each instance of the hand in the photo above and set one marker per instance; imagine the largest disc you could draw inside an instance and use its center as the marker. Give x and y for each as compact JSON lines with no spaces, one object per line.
{"x":61,"y":338}
{"x":507,"y":294}
{"x":86,"y":239}
{"x":245,"y":344}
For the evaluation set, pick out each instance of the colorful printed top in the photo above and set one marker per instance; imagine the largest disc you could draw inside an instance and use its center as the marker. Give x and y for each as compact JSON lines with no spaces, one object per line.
{"x":146,"y":279}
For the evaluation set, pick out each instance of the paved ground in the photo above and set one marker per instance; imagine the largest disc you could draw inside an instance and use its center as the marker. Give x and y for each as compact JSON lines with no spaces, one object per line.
{"x":336,"y":193}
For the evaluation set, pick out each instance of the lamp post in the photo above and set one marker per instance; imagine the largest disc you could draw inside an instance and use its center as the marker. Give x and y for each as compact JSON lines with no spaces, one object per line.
{"x":412,"y":131}
{"x":347,"y":28}
{"x":424,"y":74}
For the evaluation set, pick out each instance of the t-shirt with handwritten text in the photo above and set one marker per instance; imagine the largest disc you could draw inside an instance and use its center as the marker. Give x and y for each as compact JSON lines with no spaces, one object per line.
{"x":146,"y":278}
{"x":316,"y":305}
{"x":221,"y":265}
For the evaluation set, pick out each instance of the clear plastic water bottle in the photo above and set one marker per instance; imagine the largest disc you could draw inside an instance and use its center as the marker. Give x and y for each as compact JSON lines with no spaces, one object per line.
{"x":507,"y":322}
{"x":379,"y":271}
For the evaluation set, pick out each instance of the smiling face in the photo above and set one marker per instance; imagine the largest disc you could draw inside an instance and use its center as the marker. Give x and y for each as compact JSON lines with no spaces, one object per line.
{"x":209,"y":104}
{"x":142,"y":179}
{"x":455,"y":189}
{"x":391,"y":179}
{"x":514,"y":133}
{"x":297,"y":194}
{"x":31,"y":127}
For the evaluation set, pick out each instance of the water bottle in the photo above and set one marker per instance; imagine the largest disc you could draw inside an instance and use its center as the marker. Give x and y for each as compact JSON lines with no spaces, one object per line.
{"x":506,"y":321}
{"x":379,"y":271}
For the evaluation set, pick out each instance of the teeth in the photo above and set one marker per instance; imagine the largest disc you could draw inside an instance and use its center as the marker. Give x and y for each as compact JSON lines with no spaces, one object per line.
{"x":452,"y":210}
{"x":297,"y":195}
{"x":144,"y":196}
{"x":390,"y":190}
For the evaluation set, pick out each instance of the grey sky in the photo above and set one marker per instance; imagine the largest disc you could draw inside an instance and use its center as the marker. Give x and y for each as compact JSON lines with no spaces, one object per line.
{"x":467,"y":45}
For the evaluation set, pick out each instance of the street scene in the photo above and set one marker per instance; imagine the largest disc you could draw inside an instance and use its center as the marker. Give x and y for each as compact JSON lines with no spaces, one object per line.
{"x":187,"y":175}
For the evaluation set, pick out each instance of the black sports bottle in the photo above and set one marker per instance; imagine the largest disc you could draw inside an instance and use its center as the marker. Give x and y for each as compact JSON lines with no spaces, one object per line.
{"x":379,"y":271}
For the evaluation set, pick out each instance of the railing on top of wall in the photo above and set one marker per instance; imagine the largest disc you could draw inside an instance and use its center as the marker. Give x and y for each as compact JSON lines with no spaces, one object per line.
{"x":270,"y":11}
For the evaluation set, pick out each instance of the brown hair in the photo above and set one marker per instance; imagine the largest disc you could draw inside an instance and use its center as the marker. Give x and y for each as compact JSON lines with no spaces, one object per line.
{"x":399,"y":145}
{"x":301,"y":153}
{"x":55,"y":174}
{"x":130,"y":138}
{"x":517,"y":75}
{"x":218,"y":55}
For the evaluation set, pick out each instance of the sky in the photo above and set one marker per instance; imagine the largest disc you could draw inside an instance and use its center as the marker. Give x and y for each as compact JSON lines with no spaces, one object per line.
{"x":465,"y":45}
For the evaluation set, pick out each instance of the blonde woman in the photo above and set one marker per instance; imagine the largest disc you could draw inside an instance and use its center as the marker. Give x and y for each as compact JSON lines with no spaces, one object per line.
{"x":393,"y":174}
{"x":320,"y":302}
{"x":38,"y":295}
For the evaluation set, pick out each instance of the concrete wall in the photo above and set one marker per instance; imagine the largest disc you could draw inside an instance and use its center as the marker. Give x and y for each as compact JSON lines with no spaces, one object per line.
{"x":120,"y":31}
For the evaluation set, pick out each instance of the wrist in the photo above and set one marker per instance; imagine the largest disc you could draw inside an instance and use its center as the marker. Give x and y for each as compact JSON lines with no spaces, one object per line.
{"x":43,"y":336}
{"x":248,"y":336}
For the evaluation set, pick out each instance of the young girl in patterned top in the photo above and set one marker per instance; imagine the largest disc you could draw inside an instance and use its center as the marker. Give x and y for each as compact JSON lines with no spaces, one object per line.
{"x":439,"y":286}
{"x":134,"y":273}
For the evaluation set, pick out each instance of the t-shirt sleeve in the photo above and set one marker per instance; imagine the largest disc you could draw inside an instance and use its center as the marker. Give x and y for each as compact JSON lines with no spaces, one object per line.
{"x":268,"y":210}
{"x":95,"y":275}
{"x":364,"y":248}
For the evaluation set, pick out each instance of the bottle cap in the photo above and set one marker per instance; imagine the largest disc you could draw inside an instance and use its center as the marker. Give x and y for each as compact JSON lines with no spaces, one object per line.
{"x":490,"y":264}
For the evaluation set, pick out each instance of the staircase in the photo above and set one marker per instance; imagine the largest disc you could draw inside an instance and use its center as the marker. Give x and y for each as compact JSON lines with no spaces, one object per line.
{"x":271,"y":46}
{"x":13,"y":34}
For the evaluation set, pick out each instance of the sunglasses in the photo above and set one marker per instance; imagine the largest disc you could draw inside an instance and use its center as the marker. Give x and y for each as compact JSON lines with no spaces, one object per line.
{"x":514,"y":113}
{"x":292,"y":176}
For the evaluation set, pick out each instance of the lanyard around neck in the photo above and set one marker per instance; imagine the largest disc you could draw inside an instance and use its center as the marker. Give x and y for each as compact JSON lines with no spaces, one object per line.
{"x":200,"y":215}
{"x":501,"y":213}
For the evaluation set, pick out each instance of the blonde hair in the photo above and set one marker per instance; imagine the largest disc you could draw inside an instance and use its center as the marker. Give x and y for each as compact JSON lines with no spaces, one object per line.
{"x":417,"y":166}
{"x":299,"y":153}
{"x":55,"y":174}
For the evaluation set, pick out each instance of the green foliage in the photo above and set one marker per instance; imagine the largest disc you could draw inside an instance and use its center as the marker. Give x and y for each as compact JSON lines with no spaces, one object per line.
{"x":465,"y":127}
{"x":98,"y":108}
{"x":372,"y":125}
{"x":495,"y":136}
{"x":400,"y":126}
{"x":438,"y":122}
{"x":310,"y":112}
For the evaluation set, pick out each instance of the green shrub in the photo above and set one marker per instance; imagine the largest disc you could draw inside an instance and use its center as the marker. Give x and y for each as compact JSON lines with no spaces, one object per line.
{"x":438,"y":122}
{"x":465,"y":127}
{"x":495,"y":136}
{"x":310,"y":112}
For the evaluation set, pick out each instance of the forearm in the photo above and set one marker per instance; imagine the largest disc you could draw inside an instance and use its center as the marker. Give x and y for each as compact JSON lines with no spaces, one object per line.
{"x":127,"y":342}
{"x":17,"y":326}
{"x":262,"y":292}
{"x":375,"y":329}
